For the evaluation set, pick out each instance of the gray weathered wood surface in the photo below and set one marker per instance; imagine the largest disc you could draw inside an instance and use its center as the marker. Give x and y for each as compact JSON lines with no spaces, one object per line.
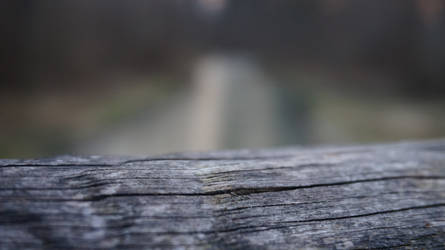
{"x":379,"y":196}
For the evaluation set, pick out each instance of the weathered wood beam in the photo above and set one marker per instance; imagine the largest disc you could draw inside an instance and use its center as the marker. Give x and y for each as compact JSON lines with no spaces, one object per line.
{"x":378,"y":196}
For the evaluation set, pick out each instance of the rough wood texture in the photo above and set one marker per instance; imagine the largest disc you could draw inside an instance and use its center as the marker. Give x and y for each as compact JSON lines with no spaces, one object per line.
{"x":382,"y":196}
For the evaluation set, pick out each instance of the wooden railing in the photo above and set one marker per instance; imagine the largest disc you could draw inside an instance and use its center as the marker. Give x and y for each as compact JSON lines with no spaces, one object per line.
{"x":377,"y":196}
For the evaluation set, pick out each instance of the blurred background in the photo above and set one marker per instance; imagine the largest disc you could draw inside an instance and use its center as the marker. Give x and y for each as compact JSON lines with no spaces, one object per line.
{"x":156,"y":76}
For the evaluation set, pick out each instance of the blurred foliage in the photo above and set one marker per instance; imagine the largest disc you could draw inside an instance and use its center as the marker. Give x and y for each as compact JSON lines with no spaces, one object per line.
{"x":341,"y":70}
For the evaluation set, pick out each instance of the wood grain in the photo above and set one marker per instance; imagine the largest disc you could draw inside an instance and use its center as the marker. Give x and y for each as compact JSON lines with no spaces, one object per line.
{"x":377,"y":196}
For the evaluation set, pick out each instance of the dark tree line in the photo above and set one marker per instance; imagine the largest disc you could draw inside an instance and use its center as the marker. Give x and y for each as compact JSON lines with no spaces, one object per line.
{"x":57,"y":41}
